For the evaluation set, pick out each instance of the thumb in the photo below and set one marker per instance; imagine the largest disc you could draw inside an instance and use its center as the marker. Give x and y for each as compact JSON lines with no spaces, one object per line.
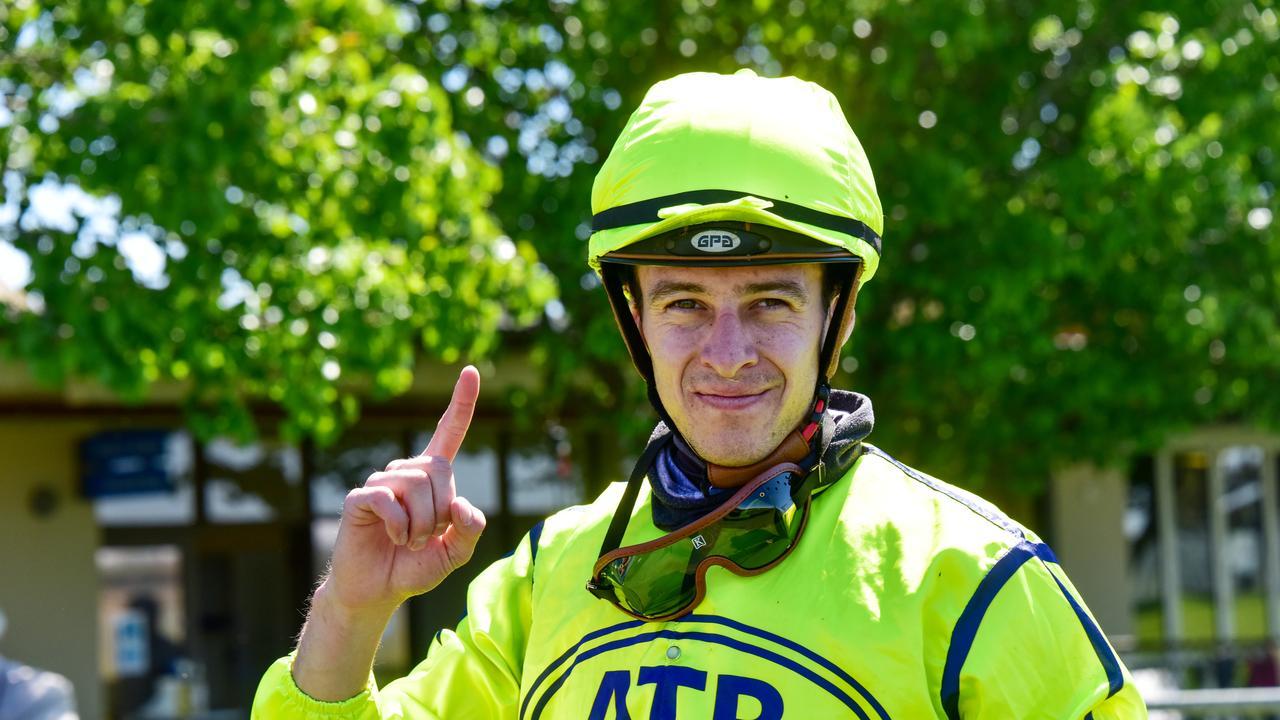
{"x":464,"y":531}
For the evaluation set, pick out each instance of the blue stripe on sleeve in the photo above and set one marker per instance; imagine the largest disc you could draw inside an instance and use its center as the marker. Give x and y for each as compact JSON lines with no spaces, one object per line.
{"x":1110,"y":663}
{"x":966,"y":628}
{"x":535,"y":533}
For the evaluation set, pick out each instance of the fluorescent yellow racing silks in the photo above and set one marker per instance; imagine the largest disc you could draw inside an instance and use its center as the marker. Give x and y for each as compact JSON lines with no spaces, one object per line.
{"x":826,"y":580}
{"x":908,"y":598}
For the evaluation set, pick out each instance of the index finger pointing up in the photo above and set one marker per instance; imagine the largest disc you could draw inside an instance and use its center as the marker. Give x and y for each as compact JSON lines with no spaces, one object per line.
{"x":453,"y":425}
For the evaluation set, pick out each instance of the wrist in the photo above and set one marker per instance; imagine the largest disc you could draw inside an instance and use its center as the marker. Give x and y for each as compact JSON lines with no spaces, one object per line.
{"x":337,"y":646}
{"x":350,"y":619}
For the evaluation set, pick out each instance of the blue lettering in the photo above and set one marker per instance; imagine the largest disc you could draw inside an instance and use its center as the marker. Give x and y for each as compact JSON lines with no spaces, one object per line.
{"x":731,"y":687}
{"x":613,"y":686}
{"x":669,"y":679}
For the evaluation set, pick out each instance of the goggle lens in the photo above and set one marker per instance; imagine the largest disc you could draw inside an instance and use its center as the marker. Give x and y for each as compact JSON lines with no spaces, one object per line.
{"x":664,"y":579}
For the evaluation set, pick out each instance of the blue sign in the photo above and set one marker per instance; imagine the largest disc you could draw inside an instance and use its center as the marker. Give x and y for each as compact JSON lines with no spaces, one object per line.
{"x":125,"y":462}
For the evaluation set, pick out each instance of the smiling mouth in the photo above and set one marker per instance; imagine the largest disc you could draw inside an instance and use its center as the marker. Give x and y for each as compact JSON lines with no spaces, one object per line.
{"x":731,"y":402}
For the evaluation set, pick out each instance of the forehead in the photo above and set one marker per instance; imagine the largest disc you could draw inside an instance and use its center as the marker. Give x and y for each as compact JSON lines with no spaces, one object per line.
{"x":729,"y":279}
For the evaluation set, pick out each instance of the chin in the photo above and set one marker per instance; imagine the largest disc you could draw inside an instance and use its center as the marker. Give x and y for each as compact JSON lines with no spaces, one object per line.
{"x":732,"y":449}
{"x":732,"y":439}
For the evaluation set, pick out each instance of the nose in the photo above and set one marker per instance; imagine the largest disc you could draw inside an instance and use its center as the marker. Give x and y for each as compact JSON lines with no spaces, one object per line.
{"x":729,"y":347}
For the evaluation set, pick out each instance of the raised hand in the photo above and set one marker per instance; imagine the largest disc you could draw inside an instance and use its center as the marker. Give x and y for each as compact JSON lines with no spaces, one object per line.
{"x":407,"y":529}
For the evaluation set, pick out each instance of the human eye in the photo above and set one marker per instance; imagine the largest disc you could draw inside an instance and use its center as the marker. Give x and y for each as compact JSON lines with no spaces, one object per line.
{"x":683,"y":304}
{"x":772,"y":303}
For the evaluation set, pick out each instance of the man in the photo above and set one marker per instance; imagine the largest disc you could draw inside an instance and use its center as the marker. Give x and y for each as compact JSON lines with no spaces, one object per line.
{"x":762,"y":561}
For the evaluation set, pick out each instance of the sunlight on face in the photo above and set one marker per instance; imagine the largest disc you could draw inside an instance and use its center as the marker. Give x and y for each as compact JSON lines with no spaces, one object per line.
{"x":735,"y":352}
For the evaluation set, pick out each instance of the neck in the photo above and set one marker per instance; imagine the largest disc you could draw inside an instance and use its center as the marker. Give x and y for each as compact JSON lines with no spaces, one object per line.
{"x":793,"y":449}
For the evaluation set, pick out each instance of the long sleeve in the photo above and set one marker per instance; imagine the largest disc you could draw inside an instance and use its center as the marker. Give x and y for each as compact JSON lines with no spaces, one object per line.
{"x":472,"y":671}
{"x":1027,"y":647}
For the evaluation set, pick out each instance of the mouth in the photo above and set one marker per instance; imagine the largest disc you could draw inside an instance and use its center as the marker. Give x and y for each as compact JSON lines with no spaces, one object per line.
{"x":735,"y":401}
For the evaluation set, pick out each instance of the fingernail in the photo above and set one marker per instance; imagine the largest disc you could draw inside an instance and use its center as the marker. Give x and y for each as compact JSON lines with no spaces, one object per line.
{"x":470,"y":519}
{"x":417,"y":544}
{"x":404,"y":538}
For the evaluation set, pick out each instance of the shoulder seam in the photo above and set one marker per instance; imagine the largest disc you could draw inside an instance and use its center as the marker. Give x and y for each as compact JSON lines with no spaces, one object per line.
{"x":1001,"y":520}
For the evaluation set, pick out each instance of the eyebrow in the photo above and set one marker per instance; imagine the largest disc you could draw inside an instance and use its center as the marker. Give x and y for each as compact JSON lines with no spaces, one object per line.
{"x":667,"y":288}
{"x":789,"y":288}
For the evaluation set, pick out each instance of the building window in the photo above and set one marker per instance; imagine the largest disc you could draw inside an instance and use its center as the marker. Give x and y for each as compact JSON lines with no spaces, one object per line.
{"x":114,"y":475}
{"x":1144,"y":553}
{"x":254,"y":483}
{"x":1203,"y":523}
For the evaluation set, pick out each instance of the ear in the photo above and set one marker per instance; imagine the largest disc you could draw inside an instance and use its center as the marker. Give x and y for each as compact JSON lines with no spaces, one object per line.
{"x":635,"y":318}
{"x":848,"y":330}
{"x":632,"y":289}
{"x":853,"y":318}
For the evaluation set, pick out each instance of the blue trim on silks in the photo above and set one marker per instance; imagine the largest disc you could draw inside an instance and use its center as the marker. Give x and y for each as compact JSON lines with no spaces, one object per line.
{"x":797,"y":647}
{"x":1110,"y":663}
{"x":535,"y":533}
{"x":714,"y":639}
{"x":966,"y":629}
{"x":567,"y":653}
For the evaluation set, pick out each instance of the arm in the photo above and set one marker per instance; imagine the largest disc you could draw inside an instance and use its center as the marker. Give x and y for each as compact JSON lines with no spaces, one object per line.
{"x":402,"y":533}
{"x":473,"y":671}
{"x":1027,"y":647}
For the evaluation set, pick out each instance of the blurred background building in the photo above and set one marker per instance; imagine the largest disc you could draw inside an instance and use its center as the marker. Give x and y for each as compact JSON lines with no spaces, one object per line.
{"x":161,"y":574}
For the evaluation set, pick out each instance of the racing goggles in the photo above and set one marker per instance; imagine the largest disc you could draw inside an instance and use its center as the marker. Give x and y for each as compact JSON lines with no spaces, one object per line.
{"x":665,"y":578}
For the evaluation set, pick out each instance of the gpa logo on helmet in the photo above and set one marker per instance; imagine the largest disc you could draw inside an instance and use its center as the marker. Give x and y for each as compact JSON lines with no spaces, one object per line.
{"x":715,"y":241}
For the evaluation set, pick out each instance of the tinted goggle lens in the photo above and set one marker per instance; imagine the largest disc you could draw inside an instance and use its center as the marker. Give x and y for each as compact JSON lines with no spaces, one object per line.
{"x":664,"y":578}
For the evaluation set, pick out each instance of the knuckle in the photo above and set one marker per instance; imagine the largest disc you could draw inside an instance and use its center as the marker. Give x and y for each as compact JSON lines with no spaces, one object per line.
{"x":412,"y":475}
{"x":351,"y":499}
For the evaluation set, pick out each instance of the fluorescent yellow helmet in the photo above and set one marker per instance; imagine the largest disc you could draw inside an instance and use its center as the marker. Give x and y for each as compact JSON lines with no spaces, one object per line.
{"x":736,"y":170}
{"x":704,"y":148}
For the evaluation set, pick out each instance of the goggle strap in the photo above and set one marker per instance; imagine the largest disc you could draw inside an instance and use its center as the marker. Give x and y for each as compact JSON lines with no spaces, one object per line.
{"x":622,"y":515}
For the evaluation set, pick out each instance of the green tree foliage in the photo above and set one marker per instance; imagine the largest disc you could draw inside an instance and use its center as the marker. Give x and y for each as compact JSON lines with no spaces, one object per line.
{"x":1079,"y":250}
{"x":1080,"y":256}
{"x":320,"y":215}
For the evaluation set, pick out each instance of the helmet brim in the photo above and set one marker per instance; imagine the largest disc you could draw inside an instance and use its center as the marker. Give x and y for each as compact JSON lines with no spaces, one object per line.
{"x":745,"y":209}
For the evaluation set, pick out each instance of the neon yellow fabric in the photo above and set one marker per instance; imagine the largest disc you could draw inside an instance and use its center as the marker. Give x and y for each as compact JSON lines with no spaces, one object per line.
{"x":858,"y":621}
{"x":1073,"y":685}
{"x":780,"y":138}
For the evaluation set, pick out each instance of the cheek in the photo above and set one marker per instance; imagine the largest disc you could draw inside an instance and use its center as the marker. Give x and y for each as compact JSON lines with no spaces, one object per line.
{"x":791,"y":347}
{"x":671,"y":348}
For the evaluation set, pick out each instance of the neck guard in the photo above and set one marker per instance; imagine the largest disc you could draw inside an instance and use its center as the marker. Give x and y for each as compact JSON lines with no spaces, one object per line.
{"x":685,"y":487}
